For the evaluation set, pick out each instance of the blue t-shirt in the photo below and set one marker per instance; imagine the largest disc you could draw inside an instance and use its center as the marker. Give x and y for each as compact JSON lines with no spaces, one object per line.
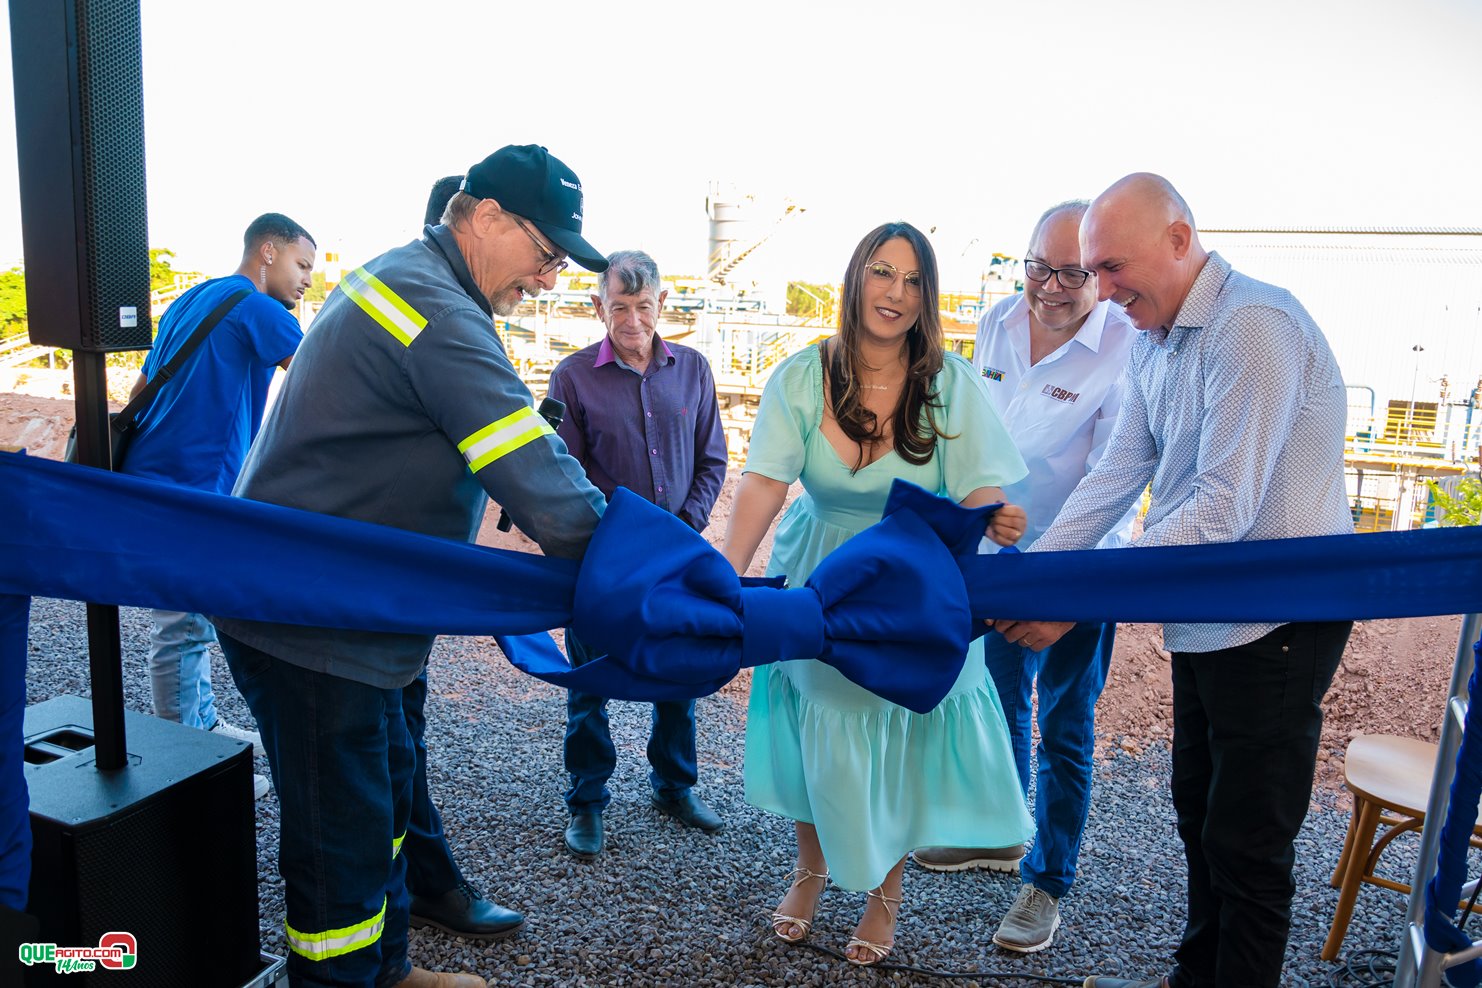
{"x":197,"y":430}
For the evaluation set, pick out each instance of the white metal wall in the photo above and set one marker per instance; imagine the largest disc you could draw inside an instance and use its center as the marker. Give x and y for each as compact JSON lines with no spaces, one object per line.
{"x":1377,"y":295}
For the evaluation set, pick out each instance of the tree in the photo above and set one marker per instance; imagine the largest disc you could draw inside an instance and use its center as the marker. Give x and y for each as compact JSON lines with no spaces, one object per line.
{"x":804,"y":299}
{"x":1463,"y":507}
{"x":12,"y":302}
{"x":318,"y":289}
{"x":162,"y":273}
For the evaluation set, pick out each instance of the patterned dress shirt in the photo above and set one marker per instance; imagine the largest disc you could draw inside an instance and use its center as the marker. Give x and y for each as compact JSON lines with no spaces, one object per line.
{"x":1236,"y":414}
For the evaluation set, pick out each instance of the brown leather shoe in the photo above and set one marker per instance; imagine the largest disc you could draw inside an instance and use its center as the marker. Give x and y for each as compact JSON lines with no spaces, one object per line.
{"x":441,"y":979}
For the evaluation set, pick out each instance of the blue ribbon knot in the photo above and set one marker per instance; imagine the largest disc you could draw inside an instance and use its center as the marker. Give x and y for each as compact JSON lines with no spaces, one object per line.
{"x":778,"y":625}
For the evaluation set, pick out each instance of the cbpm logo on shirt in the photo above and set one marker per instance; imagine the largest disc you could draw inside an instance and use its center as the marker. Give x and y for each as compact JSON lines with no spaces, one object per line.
{"x":1060,"y":394}
{"x":992,"y":375}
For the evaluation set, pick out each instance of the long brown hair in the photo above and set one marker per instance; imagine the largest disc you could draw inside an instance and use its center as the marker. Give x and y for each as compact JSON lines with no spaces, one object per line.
{"x":914,"y":424}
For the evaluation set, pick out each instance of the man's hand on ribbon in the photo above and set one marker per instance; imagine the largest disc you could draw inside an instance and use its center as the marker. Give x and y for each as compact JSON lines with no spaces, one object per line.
{"x":1034,"y":635}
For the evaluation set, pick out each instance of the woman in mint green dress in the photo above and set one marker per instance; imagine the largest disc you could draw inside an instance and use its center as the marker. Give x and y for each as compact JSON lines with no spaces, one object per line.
{"x":865,"y":780}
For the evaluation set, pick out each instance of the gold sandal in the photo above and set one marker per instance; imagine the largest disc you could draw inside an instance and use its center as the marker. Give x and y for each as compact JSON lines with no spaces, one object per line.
{"x":798,"y":876}
{"x":877,"y":951}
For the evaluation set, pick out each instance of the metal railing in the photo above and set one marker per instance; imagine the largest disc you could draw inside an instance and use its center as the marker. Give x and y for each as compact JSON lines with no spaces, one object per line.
{"x":160,"y":298}
{"x":1419,"y":964}
{"x":20,"y":350}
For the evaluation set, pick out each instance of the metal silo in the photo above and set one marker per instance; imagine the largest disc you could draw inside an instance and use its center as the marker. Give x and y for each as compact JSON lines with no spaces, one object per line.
{"x":730,"y":230}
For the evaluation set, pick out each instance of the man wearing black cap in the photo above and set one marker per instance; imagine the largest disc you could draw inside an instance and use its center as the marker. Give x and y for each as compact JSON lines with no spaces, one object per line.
{"x":402,"y":409}
{"x":441,"y":895}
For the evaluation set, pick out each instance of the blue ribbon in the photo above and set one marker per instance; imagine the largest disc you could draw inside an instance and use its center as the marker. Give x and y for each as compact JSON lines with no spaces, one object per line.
{"x":892,"y":609}
{"x":1444,"y":888}
{"x":1320,"y":578}
{"x":651,"y":593}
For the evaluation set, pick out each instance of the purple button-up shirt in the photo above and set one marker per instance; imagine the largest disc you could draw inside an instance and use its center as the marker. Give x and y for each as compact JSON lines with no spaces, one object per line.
{"x":657,"y":433}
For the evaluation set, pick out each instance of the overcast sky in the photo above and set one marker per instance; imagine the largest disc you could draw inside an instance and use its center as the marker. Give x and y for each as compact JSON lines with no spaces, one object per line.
{"x":970,"y":117}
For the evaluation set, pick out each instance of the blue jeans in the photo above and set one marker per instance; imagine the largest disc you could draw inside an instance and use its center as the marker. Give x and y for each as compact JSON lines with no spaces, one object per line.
{"x":1069,"y":676}
{"x":342,"y":766}
{"x":180,"y":668}
{"x":591,"y":757}
{"x":431,"y":870}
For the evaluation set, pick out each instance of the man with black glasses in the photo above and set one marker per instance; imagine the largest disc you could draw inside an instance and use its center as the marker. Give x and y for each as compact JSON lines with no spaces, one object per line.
{"x":403,"y":410}
{"x":441,"y":895}
{"x":1052,"y":361}
{"x":1234,"y":409}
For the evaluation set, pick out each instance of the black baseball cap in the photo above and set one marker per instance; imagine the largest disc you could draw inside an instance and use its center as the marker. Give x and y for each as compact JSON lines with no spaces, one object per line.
{"x":529,"y":181}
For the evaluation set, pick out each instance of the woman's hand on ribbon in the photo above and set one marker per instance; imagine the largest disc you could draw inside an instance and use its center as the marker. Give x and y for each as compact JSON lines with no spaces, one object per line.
{"x":1007,"y":525}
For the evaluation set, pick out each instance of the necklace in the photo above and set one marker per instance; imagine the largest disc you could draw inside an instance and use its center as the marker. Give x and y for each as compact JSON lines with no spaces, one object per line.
{"x":875,"y":387}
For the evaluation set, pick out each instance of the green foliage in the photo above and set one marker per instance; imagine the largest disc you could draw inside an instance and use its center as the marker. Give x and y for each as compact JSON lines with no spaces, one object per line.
{"x":805,"y":299}
{"x":317,"y":290}
{"x":1464,"y":507}
{"x":12,"y":302}
{"x":162,"y":273}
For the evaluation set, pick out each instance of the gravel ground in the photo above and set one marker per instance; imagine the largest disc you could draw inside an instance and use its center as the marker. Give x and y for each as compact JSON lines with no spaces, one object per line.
{"x":666,"y":906}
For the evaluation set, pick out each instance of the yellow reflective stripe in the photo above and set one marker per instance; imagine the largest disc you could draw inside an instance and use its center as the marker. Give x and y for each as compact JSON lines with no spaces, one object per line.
{"x":333,"y":943}
{"x":396,"y":845}
{"x":504,"y":436}
{"x":383,"y":305}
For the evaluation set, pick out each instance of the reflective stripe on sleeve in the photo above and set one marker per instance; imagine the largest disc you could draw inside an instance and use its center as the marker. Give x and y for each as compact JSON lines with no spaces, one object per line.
{"x":334,"y":943}
{"x":504,"y":436}
{"x":396,"y":845}
{"x":383,"y":305}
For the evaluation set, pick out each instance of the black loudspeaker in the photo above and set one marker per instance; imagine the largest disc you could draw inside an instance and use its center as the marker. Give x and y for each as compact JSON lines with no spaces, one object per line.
{"x":159,"y":857}
{"x":79,"y":123}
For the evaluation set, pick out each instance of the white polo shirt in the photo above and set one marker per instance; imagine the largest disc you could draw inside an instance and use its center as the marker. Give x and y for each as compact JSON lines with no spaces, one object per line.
{"x":1059,"y":411}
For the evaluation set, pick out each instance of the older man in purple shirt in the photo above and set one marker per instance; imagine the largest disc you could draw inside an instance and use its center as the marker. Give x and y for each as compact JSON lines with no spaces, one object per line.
{"x":640,"y":414}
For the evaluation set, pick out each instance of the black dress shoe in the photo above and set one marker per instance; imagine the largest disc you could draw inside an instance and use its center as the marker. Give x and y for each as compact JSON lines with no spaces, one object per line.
{"x":464,"y":912}
{"x":691,"y":811}
{"x":584,"y":835}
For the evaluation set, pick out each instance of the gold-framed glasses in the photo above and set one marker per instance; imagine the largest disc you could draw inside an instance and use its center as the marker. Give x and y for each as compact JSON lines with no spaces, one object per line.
{"x":883,"y":273}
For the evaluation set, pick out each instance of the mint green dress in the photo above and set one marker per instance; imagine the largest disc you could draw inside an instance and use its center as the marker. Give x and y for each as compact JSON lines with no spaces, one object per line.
{"x":876,"y":779}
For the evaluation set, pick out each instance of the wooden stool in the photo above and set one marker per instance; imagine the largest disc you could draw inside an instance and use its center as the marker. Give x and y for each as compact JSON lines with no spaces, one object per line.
{"x":1390,"y":778}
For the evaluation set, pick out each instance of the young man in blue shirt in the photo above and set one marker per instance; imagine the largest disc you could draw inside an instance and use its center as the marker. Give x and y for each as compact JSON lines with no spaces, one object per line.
{"x":197,"y":430}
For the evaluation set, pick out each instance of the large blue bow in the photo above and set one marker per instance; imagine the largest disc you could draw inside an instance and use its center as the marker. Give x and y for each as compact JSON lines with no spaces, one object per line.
{"x":886,"y":609}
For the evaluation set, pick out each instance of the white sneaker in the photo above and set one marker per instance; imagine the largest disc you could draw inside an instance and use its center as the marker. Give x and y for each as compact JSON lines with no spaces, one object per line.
{"x":241,"y":734}
{"x":260,"y":787}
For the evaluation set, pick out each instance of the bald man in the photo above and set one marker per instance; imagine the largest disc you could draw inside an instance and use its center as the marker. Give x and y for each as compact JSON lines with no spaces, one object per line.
{"x":1234,"y":409}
